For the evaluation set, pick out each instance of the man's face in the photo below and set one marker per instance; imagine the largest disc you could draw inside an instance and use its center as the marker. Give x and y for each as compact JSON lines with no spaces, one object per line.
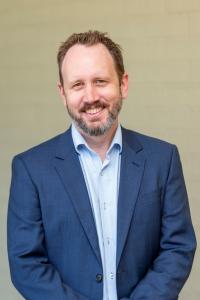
{"x":91,"y":90}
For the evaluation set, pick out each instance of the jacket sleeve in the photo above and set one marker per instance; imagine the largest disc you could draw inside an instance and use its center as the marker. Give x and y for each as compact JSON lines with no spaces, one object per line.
{"x":31,"y":271}
{"x":171,"y":268}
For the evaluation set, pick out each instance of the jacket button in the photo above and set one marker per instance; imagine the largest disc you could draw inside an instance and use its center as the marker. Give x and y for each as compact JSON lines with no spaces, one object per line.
{"x":99,"y":278}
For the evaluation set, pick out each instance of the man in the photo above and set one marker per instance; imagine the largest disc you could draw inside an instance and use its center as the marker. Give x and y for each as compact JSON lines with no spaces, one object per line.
{"x":98,"y":212}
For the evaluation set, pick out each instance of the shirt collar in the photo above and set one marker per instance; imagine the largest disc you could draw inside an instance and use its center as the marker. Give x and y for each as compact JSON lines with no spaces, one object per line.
{"x":79,"y":140}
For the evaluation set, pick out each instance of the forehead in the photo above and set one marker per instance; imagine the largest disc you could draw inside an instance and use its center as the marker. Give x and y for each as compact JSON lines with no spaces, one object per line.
{"x":84,"y":58}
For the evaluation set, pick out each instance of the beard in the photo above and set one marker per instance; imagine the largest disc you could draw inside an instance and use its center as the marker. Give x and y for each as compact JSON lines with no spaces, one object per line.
{"x":93,"y":130}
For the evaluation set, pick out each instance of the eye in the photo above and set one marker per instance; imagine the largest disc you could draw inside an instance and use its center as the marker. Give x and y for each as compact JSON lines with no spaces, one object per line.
{"x":77,"y":85}
{"x":100,"y":82}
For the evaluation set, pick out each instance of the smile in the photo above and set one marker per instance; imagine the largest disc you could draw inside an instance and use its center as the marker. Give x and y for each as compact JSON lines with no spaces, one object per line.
{"x":94,"y":111}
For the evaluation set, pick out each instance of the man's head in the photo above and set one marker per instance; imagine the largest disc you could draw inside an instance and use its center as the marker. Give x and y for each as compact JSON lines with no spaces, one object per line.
{"x":92,"y":81}
{"x":91,"y":38}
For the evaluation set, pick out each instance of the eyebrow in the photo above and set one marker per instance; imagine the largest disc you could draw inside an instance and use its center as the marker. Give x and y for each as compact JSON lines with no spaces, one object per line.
{"x":94,"y":78}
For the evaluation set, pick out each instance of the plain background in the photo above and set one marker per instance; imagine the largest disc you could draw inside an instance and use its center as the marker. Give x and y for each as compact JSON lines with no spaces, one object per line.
{"x":161,"y":42}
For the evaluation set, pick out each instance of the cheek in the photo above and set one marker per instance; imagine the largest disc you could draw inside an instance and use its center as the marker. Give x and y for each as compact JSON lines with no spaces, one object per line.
{"x":110,"y":94}
{"x":73,"y":100}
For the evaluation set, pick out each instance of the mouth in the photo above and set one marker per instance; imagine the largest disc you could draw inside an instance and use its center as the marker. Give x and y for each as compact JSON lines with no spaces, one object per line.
{"x":94,"y":111}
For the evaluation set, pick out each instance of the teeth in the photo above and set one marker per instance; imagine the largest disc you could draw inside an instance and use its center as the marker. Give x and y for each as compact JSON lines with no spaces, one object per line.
{"x":93,"y":111}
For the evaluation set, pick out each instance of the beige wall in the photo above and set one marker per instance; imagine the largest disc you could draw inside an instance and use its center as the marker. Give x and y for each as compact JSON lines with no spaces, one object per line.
{"x":161,"y":41}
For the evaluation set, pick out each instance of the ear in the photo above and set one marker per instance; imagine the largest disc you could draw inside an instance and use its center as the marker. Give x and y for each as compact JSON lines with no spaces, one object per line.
{"x":62,"y":92}
{"x":124,"y":86}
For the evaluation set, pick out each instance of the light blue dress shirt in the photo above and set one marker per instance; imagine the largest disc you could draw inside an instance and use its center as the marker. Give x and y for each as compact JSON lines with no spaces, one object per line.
{"x":102,"y":181}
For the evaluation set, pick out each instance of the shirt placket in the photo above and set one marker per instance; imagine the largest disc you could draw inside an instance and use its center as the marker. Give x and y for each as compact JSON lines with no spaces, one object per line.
{"x":107,"y":221}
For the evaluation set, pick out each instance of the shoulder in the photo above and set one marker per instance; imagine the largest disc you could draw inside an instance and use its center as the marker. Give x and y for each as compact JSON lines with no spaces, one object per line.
{"x":145,"y":141}
{"x":44,"y":151}
{"x":160,"y":156}
{"x":151,"y":147}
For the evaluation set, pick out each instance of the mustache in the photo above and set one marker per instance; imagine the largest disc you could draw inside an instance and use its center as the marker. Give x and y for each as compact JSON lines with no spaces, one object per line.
{"x":96,"y":104}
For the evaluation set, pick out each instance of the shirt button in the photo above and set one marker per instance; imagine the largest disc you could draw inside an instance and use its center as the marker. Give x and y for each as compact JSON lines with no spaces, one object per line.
{"x":99,"y":278}
{"x":111,"y":276}
{"x":101,"y":173}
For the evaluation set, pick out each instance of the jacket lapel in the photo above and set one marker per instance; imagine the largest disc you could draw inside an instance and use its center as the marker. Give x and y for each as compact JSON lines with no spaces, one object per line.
{"x":69,"y":170}
{"x":132,"y":168}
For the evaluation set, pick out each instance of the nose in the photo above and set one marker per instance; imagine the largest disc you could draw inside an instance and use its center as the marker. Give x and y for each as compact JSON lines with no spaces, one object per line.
{"x":90,"y":93}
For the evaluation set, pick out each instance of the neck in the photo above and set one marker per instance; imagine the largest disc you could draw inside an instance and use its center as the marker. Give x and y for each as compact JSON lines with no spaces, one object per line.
{"x":100,"y":144}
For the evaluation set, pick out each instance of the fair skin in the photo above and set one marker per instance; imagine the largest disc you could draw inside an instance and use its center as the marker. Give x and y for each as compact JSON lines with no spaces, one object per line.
{"x":91,"y":92}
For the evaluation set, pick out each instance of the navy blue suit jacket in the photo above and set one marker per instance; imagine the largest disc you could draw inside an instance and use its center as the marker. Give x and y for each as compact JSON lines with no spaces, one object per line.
{"x":52,"y":240}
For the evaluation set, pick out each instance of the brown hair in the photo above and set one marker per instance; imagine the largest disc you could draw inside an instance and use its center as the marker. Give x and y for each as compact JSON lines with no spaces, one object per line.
{"x":91,"y":38}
